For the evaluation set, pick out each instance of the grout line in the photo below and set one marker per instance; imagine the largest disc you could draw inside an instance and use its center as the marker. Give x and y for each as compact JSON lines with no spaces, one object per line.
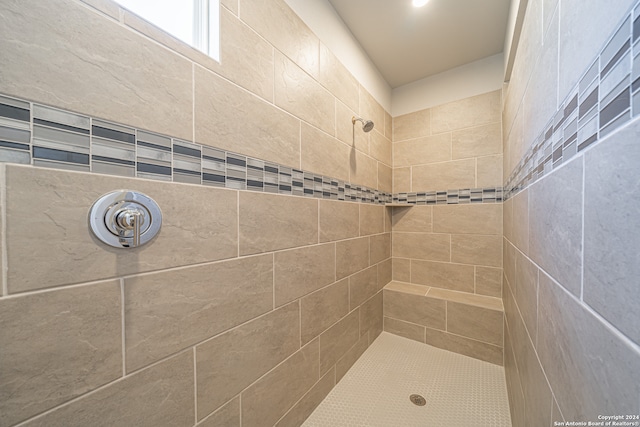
{"x":195,"y":386}
{"x":583,"y":266}
{"x":3,"y":218}
{"x":124,"y":340}
{"x":273,"y":280}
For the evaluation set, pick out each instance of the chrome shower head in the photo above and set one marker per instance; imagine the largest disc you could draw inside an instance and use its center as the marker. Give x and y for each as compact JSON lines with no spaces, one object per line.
{"x":367,"y":125}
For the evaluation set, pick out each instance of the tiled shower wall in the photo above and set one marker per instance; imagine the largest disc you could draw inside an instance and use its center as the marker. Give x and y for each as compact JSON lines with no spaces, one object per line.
{"x":248,"y":306}
{"x":571,"y":234}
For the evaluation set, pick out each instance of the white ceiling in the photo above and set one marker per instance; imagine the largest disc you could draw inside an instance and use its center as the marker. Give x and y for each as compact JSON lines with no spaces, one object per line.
{"x":408,"y":44}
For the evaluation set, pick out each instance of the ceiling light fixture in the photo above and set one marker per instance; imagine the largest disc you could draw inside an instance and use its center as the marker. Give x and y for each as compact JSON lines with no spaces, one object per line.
{"x":419,"y":3}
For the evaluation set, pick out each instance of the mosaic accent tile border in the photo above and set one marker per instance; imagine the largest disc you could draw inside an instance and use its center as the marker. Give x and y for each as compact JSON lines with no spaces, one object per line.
{"x":49,"y":137}
{"x":606,"y":97}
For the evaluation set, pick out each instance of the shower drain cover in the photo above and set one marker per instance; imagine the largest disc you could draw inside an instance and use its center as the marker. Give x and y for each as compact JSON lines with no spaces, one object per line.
{"x":416,"y":399}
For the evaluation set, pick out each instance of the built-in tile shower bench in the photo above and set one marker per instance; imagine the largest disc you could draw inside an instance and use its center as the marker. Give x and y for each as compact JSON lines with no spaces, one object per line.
{"x":461,"y":322}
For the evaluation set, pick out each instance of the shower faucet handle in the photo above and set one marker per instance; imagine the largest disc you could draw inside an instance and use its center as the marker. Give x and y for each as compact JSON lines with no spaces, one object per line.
{"x":127,"y":220}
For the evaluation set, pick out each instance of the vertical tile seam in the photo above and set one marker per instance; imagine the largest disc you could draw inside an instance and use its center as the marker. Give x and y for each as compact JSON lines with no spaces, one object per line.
{"x":3,"y":218}
{"x":195,"y":386}
{"x":582,"y":209}
{"x":123,"y":328}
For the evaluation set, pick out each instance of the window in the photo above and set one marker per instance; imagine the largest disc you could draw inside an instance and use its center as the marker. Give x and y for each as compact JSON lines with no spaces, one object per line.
{"x":195,"y":22}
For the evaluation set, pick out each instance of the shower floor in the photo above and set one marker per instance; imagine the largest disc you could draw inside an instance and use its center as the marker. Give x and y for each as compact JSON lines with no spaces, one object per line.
{"x":459,"y":390}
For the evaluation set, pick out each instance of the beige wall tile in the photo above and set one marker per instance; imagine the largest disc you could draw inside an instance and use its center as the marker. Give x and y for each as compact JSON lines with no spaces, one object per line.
{"x":423,"y":311}
{"x":477,"y":249}
{"x":60,"y":239}
{"x":298,"y":272}
{"x":408,"y":288}
{"x":370,"y":109}
{"x":477,"y":323}
{"x":430,"y":149}
{"x":520,"y":226}
{"x":301,"y":410}
{"x":363,"y":170}
{"x":412,"y":125}
{"x":489,"y":171}
{"x":323,"y":154}
{"x":105,"y":6}
{"x":338,"y":220}
{"x":171,"y":310}
{"x":488,"y":281}
{"x":527,"y":292}
{"x":514,"y":386}
{"x":351,"y":356}
{"x":413,"y":219}
{"x":337,"y":79}
{"x":299,"y":94}
{"x":459,"y":277}
{"x":255,"y":348}
{"x":322,"y":309}
{"x":401,"y":269}
{"x":276,"y":22}
{"x":507,"y":219}
{"x":271,"y":222}
{"x":371,"y":219}
{"x":380,"y":147}
{"x":347,"y":132}
{"x":468,"y":219}
{"x":385,"y":272}
{"x":478,"y":141}
{"x":351,"y":256}
{"x":385,"y":178}
{"x":388,"y":126}
{"x":467,"y":298}
{"x":232,"y":5}
{"x":336,"y":340}
{"x":268,"y":399}
{"x":228,"y":416}
{"x":362,"y":286}
{"x":404,"y":329}
{"x":444,"y":176}
{"x":56,"y":346}
{"x":380,"y":247}
{"x":468,"y":347}
{"x":159,"y":395}
{"x":468,"y":112}
{"x":401,"y":180}
{"x":509,"y":263}
{"x":371,"y":317}
{"x":432,"y":247}
{"x":105,"y":57}
{"x":387,"y":219}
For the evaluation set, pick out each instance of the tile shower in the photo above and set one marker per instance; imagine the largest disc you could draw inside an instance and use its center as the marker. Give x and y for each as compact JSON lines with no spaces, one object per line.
{"x":280,"y":251}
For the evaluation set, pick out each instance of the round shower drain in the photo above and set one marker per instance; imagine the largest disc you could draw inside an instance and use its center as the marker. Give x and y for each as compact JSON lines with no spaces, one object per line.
{"x":416,"y":399}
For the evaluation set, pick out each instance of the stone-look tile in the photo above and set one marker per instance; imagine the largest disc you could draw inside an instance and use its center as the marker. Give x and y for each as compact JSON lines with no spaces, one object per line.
{"x":468,"y":219}
{"x":338,"y":220}
{"x":444,"y":176}
{"x":489,"y":171}
{"x":514,"y":386}
{"x":475,"y":322}
{"x":535,"y":388}
{"x":424,"y":311}
{"x":520,"y":221}
{"x":509,"y":264}
{"x":371,"y":317}
{"x":478,"y":141}
{"x":301,"y":410}
{"x":404,"y":329}
{"x":380,"y":148}
{"x":351,"y":356}
{"x":430,"y":247}
{"x":322,"y":309}
{"x":371,"y":219}
{"x":430,"y":149}
{"x":527,"y":292}
{"x":268,"y":399}
{"x":168,"y":311}
{"x":348,"y":132}
{"x":227,"y":416}
{"x":387,"y":219}
{"x":362,"y":286}
{"x":363,"y":170}
{"x":459,"y":277}
{"x":114,"y":87}
{"x":556,"y":415}
{"x":105,"y":6}
{"x":298,"y":272}
{"x":477,"y":249}
{"x":466,"y":298}
{"x":507,"y":219}
{"x":555,"y":224}
{"x":380,"y":247}
{"x":256,"y":347}
{"x":59,"y":237}
{"x":576,"y":351}
{"x":299,"y":94}
{"x":232,"y":5}
{"x":370,"y":109}
{"x":612,"y":238}
{"x":351,"y":256}
{"x":401,"y":269}
{"x":401,"y":180}
{"x":159,"y":395}
{"x":339,"y":338}
{"x":408,"y":288}
{"x":412,"y":219}
{"x":226,"y":114}
{"x":271,"y":222}
{"x":388,"y":126}
{"x":323,"y":154}
{"x":488,"y":281}
{"x":385,"y":273}
{"x":57,"y":345}
{"x":337,"y":79}
{"x":468,"y":112}
{"x":468,"y":347}
{"x":276,"y":22}
{"x":385,"y":178}
{"x":413,"y":125}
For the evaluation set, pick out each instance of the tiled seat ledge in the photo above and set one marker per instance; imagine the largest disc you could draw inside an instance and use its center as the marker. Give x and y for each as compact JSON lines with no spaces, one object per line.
{"x":464,"y":323}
